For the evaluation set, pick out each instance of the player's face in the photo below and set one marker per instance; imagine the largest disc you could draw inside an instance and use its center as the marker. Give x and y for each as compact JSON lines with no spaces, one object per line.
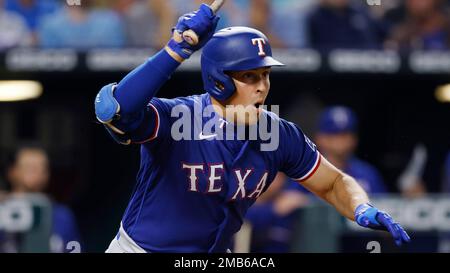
{"x":252,"y":88}
{"x":421,"y":8}
{"x":30,"y":173}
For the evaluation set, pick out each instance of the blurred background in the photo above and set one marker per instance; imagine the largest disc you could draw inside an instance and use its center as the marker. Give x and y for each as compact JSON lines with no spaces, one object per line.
{"x":367,"y":80}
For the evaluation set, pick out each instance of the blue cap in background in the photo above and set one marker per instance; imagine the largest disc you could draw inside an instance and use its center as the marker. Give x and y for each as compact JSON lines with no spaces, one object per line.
{"x":337,"y":119}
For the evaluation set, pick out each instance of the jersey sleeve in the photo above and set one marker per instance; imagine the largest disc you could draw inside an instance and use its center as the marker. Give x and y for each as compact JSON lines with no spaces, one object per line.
{"x":151,"y":124}
{"x":156,"y":123}
{"x":300,"y":157}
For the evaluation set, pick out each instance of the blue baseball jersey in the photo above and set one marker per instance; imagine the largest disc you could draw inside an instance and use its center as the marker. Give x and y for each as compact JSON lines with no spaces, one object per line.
{"x":192,"y":195}
{"x":64,"y":229}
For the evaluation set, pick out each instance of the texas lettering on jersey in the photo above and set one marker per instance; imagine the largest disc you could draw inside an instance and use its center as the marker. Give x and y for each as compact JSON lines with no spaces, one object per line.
{"x":215,"y":184}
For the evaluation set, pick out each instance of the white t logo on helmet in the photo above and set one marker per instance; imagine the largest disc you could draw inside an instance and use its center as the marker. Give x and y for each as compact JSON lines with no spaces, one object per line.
{"x":260,"y":42}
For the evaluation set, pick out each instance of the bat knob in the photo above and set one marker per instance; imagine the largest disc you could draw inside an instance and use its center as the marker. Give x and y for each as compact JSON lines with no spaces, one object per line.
{"x":190,"y":37}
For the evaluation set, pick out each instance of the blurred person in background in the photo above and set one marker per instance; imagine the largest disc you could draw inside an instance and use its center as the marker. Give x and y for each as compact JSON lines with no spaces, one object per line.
{"x":82,"y":27}
{"x":340,"y":24}
{"x":283,"y":21}
{"x":234,"y":13}
{"x":146,"y":21}
{"x":337,"y":140}
{"x":29,"y":172}
{"x":13,"y":29}
{"x":260,"y":14}
{"x":380,"y":11}
{"x":288,"y":20}
{"x":395,"y":14}
{"x":33,"y":11}
{"x":425,"y":26}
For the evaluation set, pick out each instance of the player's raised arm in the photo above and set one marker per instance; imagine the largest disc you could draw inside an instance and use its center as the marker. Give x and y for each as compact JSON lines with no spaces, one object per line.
{"x":122,"y":107}
{"x":345,"y":194}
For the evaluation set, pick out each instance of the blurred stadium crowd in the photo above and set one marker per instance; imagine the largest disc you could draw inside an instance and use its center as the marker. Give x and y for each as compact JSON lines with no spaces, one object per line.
{"x":319,"y":24}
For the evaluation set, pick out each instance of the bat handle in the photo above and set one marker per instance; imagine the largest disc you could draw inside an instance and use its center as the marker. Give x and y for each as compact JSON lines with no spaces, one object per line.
{"x":190,"y":36}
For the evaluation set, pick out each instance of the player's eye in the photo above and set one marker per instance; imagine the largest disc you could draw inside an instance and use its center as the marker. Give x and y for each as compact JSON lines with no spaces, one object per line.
{"x":248,"y":76}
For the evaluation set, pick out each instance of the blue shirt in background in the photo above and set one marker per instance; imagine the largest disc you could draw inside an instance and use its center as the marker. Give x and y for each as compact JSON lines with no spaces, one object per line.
{"x":101,"y":28}
{"x":349,"y":28}
{"x":64,"y":229}
{"x":33,"y":14}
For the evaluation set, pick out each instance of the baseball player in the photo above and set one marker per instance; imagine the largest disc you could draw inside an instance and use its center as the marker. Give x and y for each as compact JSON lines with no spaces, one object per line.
{"x":192,"y":193}
{"x":337,"y":139}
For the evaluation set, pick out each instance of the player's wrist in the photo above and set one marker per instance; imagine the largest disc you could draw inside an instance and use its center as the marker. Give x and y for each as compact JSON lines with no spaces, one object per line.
{"x":174,"y":54}
{"x":365,"y":215}
{"x":180,"y":48}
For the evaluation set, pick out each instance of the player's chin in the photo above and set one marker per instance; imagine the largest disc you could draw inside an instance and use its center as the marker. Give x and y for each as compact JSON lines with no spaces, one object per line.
{"x":248,"y":115}
{"x":251,"y":118}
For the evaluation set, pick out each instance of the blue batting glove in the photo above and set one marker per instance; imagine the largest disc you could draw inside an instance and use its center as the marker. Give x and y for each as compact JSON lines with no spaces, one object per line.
{"x":203,"y":22}
{"x":368,"y":216}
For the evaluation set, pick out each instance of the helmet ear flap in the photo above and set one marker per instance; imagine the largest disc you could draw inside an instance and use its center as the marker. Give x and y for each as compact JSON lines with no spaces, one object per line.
{"x":216,"y":82}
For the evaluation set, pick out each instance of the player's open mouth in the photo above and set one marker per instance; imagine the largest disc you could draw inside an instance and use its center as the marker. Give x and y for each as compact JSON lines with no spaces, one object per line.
{"x":258,"y":107}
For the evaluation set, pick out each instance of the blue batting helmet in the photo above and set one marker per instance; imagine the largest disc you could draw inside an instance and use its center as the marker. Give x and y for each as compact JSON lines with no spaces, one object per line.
{"x":233,"y":49}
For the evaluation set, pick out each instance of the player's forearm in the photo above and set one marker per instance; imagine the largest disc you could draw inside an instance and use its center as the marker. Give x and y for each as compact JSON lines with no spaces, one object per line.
{"x":346,"y":195}
{"x":135,"y":91}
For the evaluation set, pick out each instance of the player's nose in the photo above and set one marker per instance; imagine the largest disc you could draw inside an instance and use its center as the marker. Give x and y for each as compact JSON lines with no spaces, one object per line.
{"x":263,"y":86}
